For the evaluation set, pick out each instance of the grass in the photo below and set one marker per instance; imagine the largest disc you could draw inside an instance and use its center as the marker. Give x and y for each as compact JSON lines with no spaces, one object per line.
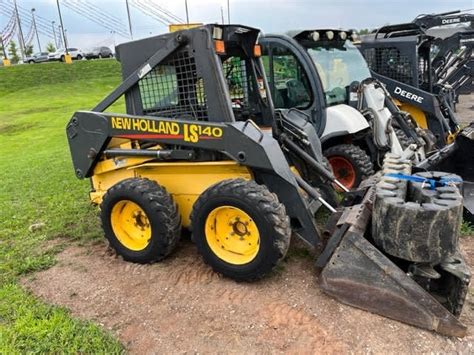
{"x":467,"y":229}
{"x":38,"y":186}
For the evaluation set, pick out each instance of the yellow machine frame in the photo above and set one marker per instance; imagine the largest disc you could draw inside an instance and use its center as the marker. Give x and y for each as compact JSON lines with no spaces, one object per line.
{"x":185,"y":181}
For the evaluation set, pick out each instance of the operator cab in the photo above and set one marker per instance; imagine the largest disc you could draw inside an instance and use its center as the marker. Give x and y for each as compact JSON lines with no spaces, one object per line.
{"x":337,"y":60}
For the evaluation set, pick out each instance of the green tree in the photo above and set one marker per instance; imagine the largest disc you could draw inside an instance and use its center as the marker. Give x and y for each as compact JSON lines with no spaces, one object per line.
{"x":363,"y":31}
{"x":50,"y":48}
{"x":29,"y":50}
{"x":13,"y":52}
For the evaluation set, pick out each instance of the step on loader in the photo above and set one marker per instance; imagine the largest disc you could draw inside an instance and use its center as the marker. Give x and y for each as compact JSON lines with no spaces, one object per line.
{"x":202,"y":148}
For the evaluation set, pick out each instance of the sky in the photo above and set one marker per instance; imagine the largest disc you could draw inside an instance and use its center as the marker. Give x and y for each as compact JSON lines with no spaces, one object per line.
{"x":275,"y":16}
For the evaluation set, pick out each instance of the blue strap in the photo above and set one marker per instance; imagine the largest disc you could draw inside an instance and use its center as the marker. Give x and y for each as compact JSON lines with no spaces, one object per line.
{"x":443,"y":181}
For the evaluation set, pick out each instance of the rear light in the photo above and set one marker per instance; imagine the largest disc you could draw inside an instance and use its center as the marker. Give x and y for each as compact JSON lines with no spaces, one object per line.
{"x":257,"y":50}
{"x":219,"y":46}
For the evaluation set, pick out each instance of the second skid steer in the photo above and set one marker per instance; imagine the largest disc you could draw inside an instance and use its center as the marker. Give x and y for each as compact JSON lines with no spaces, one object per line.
{"x":200,"y":147}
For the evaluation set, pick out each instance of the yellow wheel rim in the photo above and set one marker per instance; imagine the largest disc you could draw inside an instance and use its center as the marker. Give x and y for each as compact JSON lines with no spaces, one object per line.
{"x":232,"y":235}
{"x":130,"y":225}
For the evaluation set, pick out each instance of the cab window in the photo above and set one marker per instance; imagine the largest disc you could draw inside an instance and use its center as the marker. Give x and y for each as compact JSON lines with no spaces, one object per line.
{"x":288,"y":80}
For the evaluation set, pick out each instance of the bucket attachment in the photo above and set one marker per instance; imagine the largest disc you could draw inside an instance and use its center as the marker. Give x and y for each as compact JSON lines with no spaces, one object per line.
{"x":457,"y":158}
{"x":415,"y":276}
{"x":358,"y":274}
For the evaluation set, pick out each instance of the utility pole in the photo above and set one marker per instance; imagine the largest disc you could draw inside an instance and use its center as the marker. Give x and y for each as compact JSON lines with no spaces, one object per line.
{"x":54,"y":35}
{"x":222,"y":15}
{"x":129,"y":19}
{"x":113,"y":35}
{"x":36,"y":30}
{"x":187,"y":13}
{"x":20,"y":32}
{"x":3,"y":47}
{"x":6,"y":62}
{"x":66,"y":43}
{"x":67,"y":57}
{"x":228,"y":12}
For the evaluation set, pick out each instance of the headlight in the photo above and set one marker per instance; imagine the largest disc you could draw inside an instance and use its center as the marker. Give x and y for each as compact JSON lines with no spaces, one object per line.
{"x":315,"y":36}
{"x":330,"y":35}
{"x":343,"y":35}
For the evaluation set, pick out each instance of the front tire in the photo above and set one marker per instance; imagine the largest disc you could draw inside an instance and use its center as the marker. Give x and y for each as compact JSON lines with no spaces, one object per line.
{"x":140,"y":220}
{"x":350,"y":164}
{"x":240,"y":229}
{"x":79,"y":57}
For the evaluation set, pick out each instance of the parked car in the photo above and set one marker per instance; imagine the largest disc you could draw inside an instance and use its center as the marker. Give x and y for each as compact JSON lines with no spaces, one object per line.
{"x":75,"y":53}
{"x":37,"y":58}
{"x":99,"y":52}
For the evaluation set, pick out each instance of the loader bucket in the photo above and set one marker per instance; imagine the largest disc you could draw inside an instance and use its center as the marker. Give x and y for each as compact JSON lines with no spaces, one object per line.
{"x":358,"y":274}
{"x":364,"y":269}
{"x":457,"y":158}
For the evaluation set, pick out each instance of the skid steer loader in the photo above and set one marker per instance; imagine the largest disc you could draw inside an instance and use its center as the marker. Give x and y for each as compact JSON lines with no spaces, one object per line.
{"x":321,"y":73}
{"x":201,"y":147}
{"x":424,"y":67}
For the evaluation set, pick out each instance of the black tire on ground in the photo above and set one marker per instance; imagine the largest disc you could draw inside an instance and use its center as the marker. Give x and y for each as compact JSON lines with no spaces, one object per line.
{"x":160,"y":210}
{"x":268,"y":214}
{"x":404,"y":140}
{"x":63,"y":59}
{"x":100,"y":56}
{"x":111,"y":55}
{"x":79,"y":57}
{"x":31,"y":62}
{"x":356,"y":158}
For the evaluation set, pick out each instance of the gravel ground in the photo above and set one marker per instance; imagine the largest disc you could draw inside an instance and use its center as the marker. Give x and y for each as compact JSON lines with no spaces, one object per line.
{"x":181,"y":306}
{"x":465,"y":108}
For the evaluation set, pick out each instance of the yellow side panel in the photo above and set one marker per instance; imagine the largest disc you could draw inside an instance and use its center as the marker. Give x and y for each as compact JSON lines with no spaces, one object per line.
{"x":103,"y":182}
{"x":417,"y":114}
{"x":184,"y":180}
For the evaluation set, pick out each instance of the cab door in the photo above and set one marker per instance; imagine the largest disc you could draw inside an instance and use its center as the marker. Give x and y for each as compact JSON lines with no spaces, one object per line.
{"x":293,"y":82}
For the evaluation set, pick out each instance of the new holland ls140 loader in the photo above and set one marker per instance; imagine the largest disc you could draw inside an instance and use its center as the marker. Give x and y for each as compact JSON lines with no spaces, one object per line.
{"x":201,"y":147}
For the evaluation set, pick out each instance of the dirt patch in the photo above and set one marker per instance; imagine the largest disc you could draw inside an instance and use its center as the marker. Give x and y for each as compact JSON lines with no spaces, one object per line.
{"x":180,"y":305}
{"x":12,"y":128}
{"x":465,"y":109}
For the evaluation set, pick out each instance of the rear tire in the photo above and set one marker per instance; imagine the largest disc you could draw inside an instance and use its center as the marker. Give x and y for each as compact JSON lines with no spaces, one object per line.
{"x":140,"y":220}
{"x":240,"y":229}
{"x":79,"y":57}
{"x":349,"y":163}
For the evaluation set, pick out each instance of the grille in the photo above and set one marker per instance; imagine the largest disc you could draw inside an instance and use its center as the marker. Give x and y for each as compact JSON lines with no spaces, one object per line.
{"x":389,"y":62}
{"x":174,"y":89}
